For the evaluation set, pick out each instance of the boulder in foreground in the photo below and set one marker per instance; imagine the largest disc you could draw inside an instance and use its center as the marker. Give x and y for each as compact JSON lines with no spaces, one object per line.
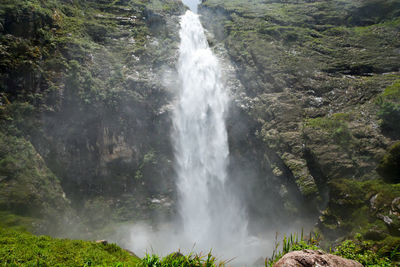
{"x":312,"y":258}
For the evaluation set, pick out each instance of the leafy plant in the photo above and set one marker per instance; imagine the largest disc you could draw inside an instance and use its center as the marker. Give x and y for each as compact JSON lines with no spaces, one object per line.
{"x":389,"y":113}
{"x":362,"y":252}
{"x":359,"y":250}
{"x":178,"y":259}
{"x":293,"y":243}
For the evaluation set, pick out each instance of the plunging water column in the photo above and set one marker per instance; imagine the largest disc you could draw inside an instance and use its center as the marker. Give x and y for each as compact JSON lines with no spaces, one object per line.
{"x":212,"y":216}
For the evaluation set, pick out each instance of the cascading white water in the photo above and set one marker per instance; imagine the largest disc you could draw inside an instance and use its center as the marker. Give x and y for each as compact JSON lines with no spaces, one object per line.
{"x":212,"y":217}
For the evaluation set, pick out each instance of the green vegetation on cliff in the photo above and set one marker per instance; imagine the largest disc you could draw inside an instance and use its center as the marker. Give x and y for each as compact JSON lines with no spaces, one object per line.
{"x":364,"y":253}
{"x":389,"y":109}
{"x":24,"y":176}
{"x":367,"y":209}
{"x":28,"y":188}
{"x":389,"y":167}
{"x":336,"y":126}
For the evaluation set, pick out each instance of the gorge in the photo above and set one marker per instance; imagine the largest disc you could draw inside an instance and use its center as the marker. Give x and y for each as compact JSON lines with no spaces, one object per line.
{"x":148,"y":125}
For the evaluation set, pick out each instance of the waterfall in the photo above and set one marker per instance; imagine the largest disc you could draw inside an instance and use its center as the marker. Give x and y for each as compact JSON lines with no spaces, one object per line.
{"x":212,"y":216}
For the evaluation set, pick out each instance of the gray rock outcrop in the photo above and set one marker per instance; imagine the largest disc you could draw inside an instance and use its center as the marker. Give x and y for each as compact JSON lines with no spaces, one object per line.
{"x":311,"y":258}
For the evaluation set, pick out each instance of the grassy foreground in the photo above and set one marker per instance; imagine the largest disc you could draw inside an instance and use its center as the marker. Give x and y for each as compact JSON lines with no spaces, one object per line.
{"x":20,"y":248}
{"x":24,"y":249}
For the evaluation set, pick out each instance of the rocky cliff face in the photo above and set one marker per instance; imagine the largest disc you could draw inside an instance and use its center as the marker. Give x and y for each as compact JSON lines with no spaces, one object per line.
{"x":317,"y":79}
{"x":88,"y":84}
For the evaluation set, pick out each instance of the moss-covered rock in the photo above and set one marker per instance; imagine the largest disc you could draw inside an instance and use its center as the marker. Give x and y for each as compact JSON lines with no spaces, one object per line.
{"x":361,"y":207}
{"x":304,"y":180}
{"x":27,"y":187}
